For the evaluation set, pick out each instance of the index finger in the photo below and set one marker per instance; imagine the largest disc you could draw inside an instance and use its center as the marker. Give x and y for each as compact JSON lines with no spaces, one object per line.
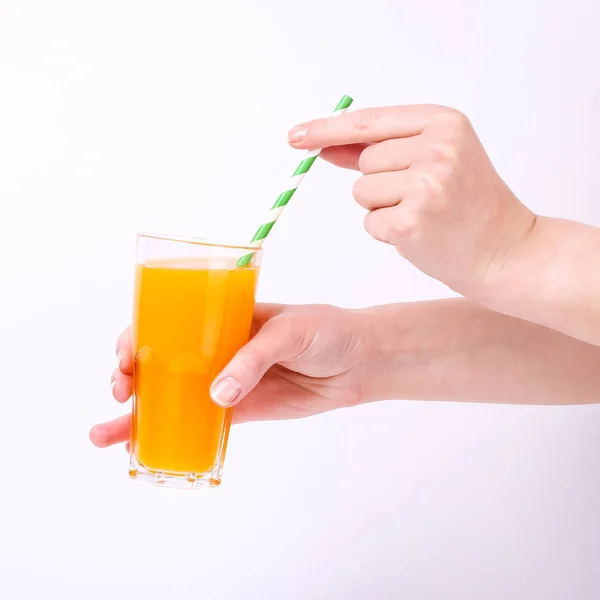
{"x":365,"y":126}
{"x":124,"y":352}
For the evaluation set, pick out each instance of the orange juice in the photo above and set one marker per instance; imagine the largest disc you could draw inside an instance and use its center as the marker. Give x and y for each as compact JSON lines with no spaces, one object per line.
{"x":189,"y":321}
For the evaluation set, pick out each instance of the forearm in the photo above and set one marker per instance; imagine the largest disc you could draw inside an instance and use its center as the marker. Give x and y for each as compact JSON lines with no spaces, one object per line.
{"x":553,"y":279}
{"x":455,"y":350}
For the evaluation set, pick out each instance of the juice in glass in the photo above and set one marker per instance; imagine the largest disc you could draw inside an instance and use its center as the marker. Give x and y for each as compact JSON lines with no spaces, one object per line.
{"x":192,"y":312}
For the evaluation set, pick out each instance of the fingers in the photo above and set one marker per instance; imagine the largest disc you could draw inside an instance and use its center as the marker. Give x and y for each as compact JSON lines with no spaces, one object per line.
{"x":381,"y":190}
{"x":122,"y":386}
{"x":381,"y":224}
{"x":364,"y":126}
{"x":121,"y":378}
{"x":117,"y":430}
{"x":346,"y":157}
{"x":112,"y":432}
{"x":393,"y":225}
{"x":124,"y":352}
{"x":277,"y":341}
{"x":389,"y":155}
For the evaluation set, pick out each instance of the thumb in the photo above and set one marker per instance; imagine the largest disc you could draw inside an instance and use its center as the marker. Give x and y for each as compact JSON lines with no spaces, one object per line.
{"x":344,"y":156}
{"x":278,"y":340}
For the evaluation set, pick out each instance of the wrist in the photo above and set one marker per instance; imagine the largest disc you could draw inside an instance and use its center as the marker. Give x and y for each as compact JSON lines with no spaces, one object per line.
{"x":395,"y":349}
{"x":425,"y":350}
{"x":551,"y":279}
{"x":508,"y":248}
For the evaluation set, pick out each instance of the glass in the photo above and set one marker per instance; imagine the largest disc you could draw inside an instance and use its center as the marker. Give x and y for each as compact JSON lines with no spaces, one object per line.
{"x":192,"y":312}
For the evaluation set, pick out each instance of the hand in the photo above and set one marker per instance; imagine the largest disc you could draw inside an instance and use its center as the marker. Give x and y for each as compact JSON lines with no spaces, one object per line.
{"x":430,"y":189}
{"x":302,"y":360}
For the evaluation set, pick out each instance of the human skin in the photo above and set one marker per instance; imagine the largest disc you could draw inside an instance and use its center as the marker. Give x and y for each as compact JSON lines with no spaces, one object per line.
{"x":529,"y":333}
{"x":304,"y":360}
{"x":431,"y":191}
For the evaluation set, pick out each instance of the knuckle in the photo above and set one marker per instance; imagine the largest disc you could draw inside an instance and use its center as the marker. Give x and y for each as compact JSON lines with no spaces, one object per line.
{"x":429,"y":184}
{"x":454,"y":116}
{"x":408,"y":223}
{"x":363,"y":119}
{"x":453,"y":120}
{"x":292,"y":330}
{"x":249,"y":361}
{"x":444,"y":153}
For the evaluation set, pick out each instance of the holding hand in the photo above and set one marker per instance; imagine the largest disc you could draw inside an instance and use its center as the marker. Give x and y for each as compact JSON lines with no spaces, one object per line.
{"x":302,"y":360}
{"x":430,"y":189}
{"x":318,"y":358}
{"x":432,"y":192}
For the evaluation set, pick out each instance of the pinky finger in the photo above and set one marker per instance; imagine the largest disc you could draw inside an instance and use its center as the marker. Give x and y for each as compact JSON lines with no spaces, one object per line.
{"x":111,"y":433}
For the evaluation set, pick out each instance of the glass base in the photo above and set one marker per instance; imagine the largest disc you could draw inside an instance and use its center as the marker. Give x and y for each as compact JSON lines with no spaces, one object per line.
{"x":169,"y":479}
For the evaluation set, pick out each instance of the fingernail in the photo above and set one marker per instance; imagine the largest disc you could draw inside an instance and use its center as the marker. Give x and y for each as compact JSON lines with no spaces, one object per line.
{"x":119,"y":357}
{"x":297,"y":134}
{"x":226,"y":391}
{"x":112,"y":385}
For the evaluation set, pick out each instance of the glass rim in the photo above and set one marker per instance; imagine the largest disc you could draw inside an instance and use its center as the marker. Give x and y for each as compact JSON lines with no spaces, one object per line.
{"x":196,"y":241}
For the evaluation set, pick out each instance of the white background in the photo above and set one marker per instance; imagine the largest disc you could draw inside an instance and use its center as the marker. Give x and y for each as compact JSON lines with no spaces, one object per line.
{"x":119,"y":116}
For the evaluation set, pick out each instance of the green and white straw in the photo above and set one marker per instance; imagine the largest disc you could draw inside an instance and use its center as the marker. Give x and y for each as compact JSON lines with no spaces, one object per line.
{"x":263,"y":231}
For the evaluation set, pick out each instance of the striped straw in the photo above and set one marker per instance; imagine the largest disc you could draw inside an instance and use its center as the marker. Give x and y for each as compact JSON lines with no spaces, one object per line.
{"x":263,"y":231}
